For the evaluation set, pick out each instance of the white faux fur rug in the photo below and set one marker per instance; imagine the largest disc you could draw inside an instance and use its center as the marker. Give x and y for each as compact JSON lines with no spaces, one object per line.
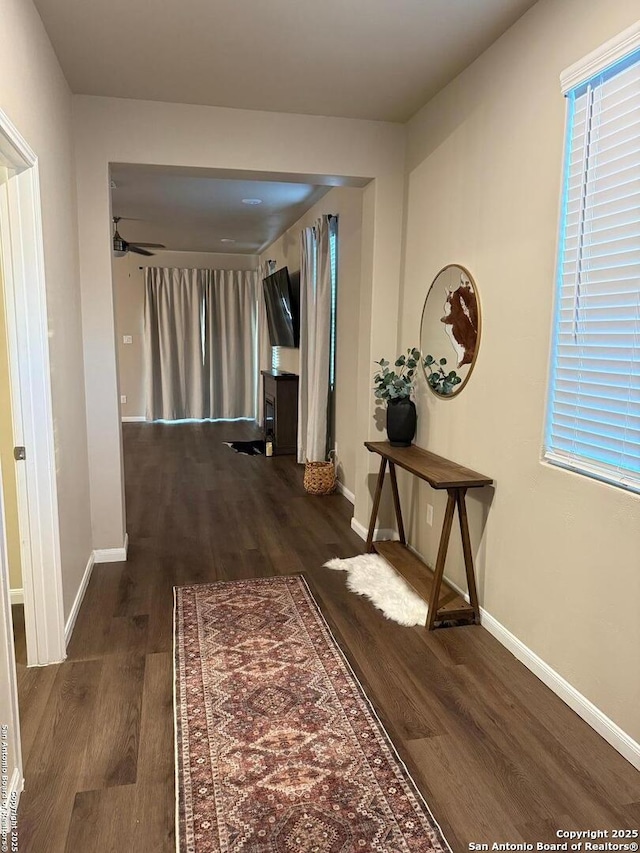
{"x":370,"y":575}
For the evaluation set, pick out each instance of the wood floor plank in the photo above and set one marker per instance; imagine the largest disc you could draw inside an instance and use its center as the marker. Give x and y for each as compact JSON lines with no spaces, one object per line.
{"x":134,"y":591}
{"x":155,"y":754}
{"x":154,"y":824}
{"x":128,"y":634}
{"x":34,"y":687}
{"x":632,"y":812}
{"x":546,"y":831}
{"x":606,"y":769}
{"x":56,"y":756}
{"x":103,"y":821}
{"x":468,"y":801}
{"x":495,"y":753}
{"x":544,"y":754}
{"x":111,"y":756}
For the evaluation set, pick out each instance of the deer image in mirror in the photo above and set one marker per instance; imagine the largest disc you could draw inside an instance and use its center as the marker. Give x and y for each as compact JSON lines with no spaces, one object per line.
{"x":450,"y":331}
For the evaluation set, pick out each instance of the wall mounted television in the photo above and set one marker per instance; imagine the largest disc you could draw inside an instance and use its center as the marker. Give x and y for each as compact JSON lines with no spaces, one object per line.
{"x":281,"y":297}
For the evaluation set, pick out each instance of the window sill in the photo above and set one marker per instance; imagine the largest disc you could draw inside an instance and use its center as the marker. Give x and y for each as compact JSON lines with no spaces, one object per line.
{"x":626,"y":484}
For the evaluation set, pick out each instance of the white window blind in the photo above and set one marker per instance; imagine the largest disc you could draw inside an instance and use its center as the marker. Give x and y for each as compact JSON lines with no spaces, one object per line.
{"x":333,"y":250}
{"x":593,"y":423}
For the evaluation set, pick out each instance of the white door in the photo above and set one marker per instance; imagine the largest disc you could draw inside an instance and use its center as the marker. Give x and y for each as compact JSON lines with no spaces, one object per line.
{"x":7,"y":461}
{"x":21,"y":245}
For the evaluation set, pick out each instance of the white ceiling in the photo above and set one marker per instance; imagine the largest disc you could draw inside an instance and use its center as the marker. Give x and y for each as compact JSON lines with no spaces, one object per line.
{"x":196,"y":210}
{"x":376,"y":59}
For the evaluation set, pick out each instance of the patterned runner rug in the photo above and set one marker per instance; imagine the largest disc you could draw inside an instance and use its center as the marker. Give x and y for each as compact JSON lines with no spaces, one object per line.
{"x":277,"y":747}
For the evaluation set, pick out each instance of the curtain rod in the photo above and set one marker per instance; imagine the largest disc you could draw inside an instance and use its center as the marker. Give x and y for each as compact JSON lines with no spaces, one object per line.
{"x":329,"y":216}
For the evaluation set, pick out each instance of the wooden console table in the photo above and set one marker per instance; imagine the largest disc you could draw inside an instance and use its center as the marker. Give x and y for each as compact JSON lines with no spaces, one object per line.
{"x":445,"y":604}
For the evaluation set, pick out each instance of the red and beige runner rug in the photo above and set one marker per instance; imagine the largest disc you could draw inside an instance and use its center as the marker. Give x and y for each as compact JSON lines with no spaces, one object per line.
{"x":278,"y":749}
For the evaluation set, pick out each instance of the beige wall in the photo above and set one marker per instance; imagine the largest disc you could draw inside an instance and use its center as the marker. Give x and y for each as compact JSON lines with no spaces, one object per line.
{"x":558,"y":554}
{"x":121,"y":131}
{"x":7,"y":462}
{"x":35,"y":96}
{"x":128,"y":284}
{"x":346,"y":203}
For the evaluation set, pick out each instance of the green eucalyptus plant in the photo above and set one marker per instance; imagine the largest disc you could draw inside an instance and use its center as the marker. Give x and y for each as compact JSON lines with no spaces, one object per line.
{"x":439,"y":380}
{"x":396,"y":384}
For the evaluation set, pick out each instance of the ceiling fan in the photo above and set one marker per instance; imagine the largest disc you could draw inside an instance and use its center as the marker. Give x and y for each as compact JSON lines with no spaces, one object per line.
{"x":121,"y":247}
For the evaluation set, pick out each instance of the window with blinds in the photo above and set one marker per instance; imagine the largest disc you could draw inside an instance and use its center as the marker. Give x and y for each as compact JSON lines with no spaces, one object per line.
{"x":333,"y":259}
{"x":593,"y":422}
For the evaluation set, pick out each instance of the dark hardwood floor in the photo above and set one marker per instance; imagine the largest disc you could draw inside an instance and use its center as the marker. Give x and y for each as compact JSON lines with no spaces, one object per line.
{"x":497,"y":756}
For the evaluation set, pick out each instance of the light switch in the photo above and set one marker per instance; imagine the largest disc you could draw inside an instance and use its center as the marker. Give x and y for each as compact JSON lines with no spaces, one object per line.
{"x":123,"y":398}
{"x":127,"y":339}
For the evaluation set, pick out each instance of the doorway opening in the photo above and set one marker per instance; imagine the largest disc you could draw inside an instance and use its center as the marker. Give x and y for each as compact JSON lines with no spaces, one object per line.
{"x":214,"y":219}
{"x":28,"y":458}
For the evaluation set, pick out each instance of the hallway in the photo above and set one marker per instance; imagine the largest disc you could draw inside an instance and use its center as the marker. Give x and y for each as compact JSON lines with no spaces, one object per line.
{"x":497,"y":755}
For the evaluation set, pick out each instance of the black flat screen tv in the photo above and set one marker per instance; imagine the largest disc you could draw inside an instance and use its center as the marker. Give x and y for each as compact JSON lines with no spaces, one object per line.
{"x":281,"y":301}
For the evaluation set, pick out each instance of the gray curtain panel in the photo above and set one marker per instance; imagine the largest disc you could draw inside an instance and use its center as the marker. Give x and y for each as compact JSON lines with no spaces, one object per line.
{"x":201,"y":343}
{"x":174,"y":357}
{"x":315,"y":342}
{"x":231,"y":335}
{"x":307,"y":277}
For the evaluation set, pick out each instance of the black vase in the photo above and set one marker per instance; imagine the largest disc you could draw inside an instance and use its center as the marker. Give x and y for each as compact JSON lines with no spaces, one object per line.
{"x":401,"y":422}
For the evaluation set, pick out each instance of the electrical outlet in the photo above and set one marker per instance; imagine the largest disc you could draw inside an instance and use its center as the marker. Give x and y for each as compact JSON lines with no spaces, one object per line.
{"x":123,"y":398}
{"x":127,"y":339}
{"x":430,"y":515}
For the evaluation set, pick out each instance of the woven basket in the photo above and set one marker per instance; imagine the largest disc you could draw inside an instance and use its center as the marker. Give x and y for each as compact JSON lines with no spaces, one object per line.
{"x":319,"y":477}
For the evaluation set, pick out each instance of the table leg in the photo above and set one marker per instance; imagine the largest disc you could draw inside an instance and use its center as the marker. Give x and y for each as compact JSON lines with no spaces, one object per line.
{"x":376,"y":505}
{"x":468,"y":555}
{"x":442,"y":556}
{"x":396,"y":502}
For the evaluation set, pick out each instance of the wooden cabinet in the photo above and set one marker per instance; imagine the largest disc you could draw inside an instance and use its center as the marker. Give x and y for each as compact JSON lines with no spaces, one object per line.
{"x":280,"y":401}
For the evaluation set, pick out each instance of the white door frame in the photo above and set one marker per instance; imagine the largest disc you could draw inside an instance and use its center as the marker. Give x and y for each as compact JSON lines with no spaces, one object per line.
{"x":27,"y":331}
{"x":8,"y":666}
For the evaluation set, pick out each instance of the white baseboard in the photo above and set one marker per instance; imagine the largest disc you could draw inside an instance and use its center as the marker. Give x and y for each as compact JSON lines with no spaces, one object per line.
{"x":17,"y":596}
{"x":378,"y":533}
{"x":134,"y":419}
{"x":345,"y":491}
{"x":99,"y":555}
{"x":112,"y":555}
{"x":597,"y":719}
{"x":75,"y":609}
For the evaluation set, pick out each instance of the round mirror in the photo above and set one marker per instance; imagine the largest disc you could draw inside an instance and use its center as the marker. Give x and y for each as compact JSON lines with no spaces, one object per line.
{"x":450,"y":331}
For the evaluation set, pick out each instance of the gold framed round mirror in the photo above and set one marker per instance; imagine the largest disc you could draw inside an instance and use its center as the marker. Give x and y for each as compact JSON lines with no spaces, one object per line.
{"x":450,"y":331}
